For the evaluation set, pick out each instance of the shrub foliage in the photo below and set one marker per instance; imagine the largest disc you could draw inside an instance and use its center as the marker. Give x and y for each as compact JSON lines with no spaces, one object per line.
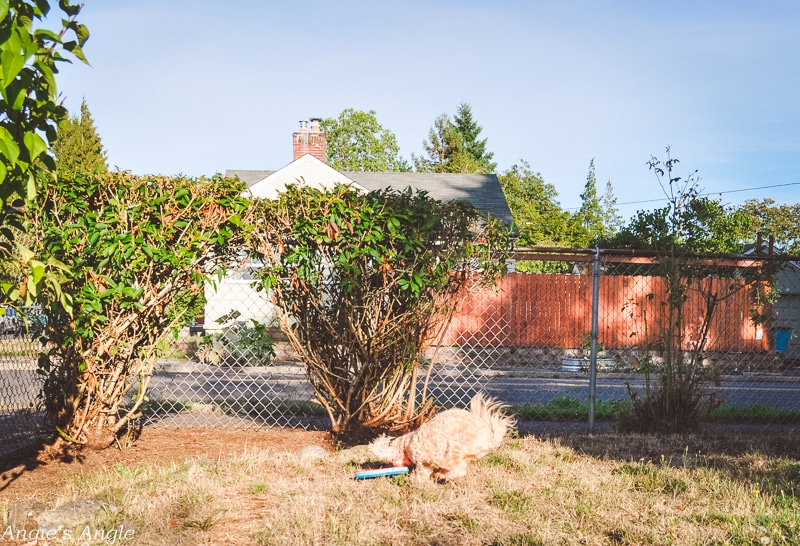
{"x":365,"y":280}
{"x":695,"y":240}
{"x":140,"y":251}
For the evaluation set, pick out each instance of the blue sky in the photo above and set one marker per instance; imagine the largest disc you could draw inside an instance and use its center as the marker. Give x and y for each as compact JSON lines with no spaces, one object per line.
{"x":198,"y":87}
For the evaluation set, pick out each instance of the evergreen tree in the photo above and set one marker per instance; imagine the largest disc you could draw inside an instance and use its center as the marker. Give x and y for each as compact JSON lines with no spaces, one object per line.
{"x":77,"y":147}
{"x":612,"y":221}
{"x":469,"y":130}
{"x":452,"y":146}
{"x":444,"y":150}
{"x":589,"y":218}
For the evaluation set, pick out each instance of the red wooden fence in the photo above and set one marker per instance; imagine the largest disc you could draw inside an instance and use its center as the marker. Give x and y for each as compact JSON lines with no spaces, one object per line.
{"x":555,"y":310}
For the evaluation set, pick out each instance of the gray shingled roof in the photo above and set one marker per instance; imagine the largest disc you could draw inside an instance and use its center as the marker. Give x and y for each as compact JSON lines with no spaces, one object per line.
{"x":248,"y":177}
{"x":482,"y":190}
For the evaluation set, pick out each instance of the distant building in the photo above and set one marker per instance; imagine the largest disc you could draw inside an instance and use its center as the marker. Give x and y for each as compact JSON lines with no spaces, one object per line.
{"x":308,"y":166}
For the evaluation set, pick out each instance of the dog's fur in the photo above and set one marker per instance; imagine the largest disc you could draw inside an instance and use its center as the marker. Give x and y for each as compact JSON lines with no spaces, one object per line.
{"x":445,"y":445}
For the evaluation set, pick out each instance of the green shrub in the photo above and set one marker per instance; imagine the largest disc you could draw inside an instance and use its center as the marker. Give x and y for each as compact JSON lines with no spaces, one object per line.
{"x":367,"y":280}
{"x":247,"y":345}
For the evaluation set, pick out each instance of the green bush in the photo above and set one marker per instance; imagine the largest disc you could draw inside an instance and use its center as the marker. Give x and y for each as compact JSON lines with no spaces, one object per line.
{"x":140,"y":251}
{"x":248,"y":345}
{"x":367,"y":279}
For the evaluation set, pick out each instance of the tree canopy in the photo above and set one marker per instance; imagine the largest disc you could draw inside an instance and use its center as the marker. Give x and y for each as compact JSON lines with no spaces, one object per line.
{"x":452,"y":146}
{"x":78,"y":147}
{"x":701,"y":225}
{"x":442,"y":144}
{"x":358,"y":142}
{"x":534,"y":204}
{"x":780,"y":221}
{"x":689,"y":222}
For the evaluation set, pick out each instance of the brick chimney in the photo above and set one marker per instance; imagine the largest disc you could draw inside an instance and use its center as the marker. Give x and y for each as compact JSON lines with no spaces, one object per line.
{"x":311,"y":141}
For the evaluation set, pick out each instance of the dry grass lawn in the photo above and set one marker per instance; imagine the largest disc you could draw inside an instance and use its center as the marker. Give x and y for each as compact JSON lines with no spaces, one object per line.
{"x":605,"y":489}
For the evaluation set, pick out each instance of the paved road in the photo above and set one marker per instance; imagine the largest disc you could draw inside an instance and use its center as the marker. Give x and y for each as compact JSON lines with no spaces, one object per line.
{"x":511,"y":390}
{"x":19,"y":387}
{"x":785,"y":395}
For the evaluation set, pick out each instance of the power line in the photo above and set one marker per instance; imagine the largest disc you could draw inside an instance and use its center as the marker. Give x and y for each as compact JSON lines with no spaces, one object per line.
{"x":705,"y":194}
{"x":717,"y":193}
{"x":751,"y":189}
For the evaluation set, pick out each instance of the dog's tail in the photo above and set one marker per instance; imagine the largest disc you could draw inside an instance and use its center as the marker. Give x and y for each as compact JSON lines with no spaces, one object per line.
{"x":490,"y":411}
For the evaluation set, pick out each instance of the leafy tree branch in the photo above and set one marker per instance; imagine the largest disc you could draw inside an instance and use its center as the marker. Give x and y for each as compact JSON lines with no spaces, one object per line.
{"x":29,"y":116}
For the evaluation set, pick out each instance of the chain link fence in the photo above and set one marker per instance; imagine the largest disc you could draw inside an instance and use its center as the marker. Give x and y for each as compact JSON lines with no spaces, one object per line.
{"x":566,"y":328}
{"x":20,"y":404}
{"x":530,"y":342}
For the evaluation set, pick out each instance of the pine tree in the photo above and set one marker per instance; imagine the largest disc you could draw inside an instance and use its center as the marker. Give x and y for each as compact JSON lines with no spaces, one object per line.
{"x":78,"y":147}
{"x":612,"y":221}
{"x":452,"y":146}
{"x":590,"y":215}
{"x":470,"y":130}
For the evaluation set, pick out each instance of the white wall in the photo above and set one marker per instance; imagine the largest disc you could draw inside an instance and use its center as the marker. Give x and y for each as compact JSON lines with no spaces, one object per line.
{"x":237,"y":292}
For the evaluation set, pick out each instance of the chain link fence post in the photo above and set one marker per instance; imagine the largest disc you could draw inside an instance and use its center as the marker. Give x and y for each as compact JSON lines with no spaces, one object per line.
{"x":594,"y":334}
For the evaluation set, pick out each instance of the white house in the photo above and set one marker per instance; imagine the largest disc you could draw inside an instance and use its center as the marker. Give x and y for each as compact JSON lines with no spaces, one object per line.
{"x":236,"y":292}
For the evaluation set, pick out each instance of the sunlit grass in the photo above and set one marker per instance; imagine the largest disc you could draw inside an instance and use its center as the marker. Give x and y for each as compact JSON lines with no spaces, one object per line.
{"x":529,"y":492}
{"x":569,"y":409}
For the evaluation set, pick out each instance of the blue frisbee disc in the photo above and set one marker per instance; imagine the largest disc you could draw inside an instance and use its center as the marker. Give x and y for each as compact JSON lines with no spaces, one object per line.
{"x":378,"y":472}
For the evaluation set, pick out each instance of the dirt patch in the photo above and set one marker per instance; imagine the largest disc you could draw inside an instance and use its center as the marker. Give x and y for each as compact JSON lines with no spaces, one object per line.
{"x":40,"y":474}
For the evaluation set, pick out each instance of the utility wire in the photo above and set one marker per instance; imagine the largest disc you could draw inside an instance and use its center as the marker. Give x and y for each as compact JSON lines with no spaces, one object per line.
{"x":717,"y":193}
{"x":704,"y":194}
{"x":751,"y":189}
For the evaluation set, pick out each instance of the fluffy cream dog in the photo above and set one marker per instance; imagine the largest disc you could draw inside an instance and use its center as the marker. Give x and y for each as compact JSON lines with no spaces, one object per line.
{"x":445,"y":445}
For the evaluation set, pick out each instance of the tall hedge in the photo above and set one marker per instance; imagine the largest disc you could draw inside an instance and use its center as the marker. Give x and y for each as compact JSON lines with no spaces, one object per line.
{"x":135,"y":246}
{"x":365,"y":280}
